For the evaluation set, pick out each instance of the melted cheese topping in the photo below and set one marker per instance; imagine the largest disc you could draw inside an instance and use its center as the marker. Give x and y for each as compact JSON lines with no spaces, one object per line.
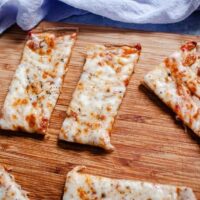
{"x":80,"y":186}
{"x":177,"y":83}
{"x":99,"y":93}
{"x":36,"y":84}
{"x":9,"y":190}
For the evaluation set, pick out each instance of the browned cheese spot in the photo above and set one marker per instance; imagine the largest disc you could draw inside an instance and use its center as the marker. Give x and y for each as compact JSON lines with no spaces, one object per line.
{"x":39,"y":49}
{"x":49,"y":51}
{"x":95,"y":126}
{"x":127,"y":51}
{"x":191,"y":121}
{"x":179,"y":89}
{"x":34,"y":104}
{"x":64,"y":134}
{"x":18,"y":128}
{"x":108,"y":108}
{"x":178,"y":111}
{"x":101,"y":117}
{"x":44,"y":75}
{"x":49,"y":105}
{"x":41,"y":52}
{"x":189,"y":60}
{"x":101,"y":63}
{"x":118,"y":70}
{"x":14,"y":117}
{"x":50,"y":74}
{"x":56,"y":64}
{"x":192,"y":86}
{"x":27,"y":70}
{"x":20,"y":102}
{"x":101,"y":54}
{"x":103,"y":195}
{"x":138,"y":47}
{"x":31,"y":45}
{"x":82,"y":194}
{"x":80,"y":86}
{"x":189,"y":46}
{"x":12,"y":193}
{"x":24,"y":101}
{"x":43,"y":124}
{"x":85,"y":130}
{"x":178,"y":190}
{"x":108,"y":90}
{"x":74,"y":114}
{"x":62,"y":130}
{"x":41,"y":98}
{"x":49,"y":59}
{"x":35,"y":76}
{"x":89,"y":183}
{"x":171,"y":64}
{"x":31,"y":120}
{"x":195,"y":116}
{"x":189,"y":106}
{"x":109,"y":63}
{"x":34,"y":88}
{"x":198,"y":72}
{"x":50,"y":41}
{"x":126,"y":82}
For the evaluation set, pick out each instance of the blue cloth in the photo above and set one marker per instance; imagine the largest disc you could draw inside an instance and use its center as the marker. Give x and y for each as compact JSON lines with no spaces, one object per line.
{"x":156,"y":15}
{"x":190,"y":25}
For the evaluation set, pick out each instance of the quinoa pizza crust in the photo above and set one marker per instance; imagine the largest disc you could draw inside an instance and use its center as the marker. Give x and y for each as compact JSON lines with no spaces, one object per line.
{"x":9,"y":189}
{"x":36,"y":85}
{"x":81,"y":186}
{"x":98,"y":95}
{"x":177,"y":83}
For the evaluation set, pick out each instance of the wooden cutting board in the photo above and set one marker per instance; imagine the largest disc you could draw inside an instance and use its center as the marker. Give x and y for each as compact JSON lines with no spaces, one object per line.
{"x":150,"y":144}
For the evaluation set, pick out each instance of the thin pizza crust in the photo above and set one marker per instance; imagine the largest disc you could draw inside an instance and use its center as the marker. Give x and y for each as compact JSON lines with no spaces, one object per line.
{"x":36,"y":84}
{"x":81,"y":186}
{"x":98,"y":95}
{"x":177,"y":83}
{"x":9,"y":189}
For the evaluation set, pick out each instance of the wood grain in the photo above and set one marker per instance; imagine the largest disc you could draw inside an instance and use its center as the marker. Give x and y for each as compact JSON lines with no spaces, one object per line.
{"x":150,"y":144}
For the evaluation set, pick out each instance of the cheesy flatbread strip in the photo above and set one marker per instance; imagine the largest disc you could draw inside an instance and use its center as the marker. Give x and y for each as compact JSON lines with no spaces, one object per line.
{"x":9,"y":189}
{"x":36,"y":84}
{"x":177,"y":83}
{"x":81,"y":186}
{"x":98,"y":95}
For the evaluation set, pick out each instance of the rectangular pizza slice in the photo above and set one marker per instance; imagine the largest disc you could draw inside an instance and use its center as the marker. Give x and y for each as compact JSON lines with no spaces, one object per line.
{"x":81,"y":186}
{"x":177,"y":83}
{"x":36,"y":84}
{"x":98,"y":95}
{"x":9,"y":189}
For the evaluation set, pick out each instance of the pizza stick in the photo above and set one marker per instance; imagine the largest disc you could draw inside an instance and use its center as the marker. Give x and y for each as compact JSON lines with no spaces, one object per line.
{"x":98,"y":95}
{"x":80,"y":186}
{"x":177,"y":83}
{"x":9,"y":189}
{"x":36,"y":84}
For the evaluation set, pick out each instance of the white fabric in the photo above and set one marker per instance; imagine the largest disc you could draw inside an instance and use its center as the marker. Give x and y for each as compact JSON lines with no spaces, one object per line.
{"x":27,"y":13}
{"x":139,"y":11}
